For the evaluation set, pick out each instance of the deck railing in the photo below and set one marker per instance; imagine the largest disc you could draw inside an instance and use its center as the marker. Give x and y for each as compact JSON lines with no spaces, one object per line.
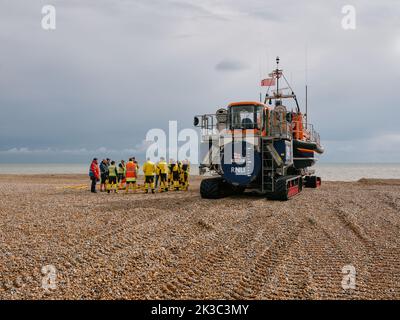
{"x":277,"y":128}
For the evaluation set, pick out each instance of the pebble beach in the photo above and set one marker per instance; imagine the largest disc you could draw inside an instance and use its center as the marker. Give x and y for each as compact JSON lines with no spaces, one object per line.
{"x":59,"y":241}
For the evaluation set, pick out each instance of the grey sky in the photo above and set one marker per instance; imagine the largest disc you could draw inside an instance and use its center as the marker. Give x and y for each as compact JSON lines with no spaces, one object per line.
{"x":114,"y":69}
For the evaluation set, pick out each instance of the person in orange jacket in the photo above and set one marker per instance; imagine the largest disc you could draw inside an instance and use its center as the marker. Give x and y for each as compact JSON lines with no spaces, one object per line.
{"x":94,"y":174}
{"x":131,"y":175}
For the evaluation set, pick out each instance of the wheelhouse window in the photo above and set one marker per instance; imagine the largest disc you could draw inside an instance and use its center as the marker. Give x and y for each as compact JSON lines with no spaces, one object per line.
{"x":245,"y":117}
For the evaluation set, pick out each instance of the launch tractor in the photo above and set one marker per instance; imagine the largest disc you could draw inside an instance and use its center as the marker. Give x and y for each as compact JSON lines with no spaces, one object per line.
{"x":259,"y":146}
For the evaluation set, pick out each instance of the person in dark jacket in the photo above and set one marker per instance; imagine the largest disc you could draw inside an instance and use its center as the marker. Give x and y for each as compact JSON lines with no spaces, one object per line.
{"x":103,"y":175}
{"x":94,"y":174}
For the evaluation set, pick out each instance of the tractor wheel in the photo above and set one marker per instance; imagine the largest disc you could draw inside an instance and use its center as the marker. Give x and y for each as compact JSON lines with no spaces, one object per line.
{"x":313,"y":182}
{"x":211,"y":188}
{"x":238,"y":190}
{"x":281,"y":192}
{"x":286,"y":188}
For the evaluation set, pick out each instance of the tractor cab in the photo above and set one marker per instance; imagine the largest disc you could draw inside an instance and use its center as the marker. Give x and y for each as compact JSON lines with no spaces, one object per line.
{"x":245,"y":116}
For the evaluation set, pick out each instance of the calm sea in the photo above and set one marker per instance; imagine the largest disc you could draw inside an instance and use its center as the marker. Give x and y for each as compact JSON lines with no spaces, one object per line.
{"x":328,"y":171}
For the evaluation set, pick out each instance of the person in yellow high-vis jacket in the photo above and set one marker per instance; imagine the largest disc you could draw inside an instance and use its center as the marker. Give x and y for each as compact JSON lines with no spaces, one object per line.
{"x":112,"y":184}
{"x":121,"y":170}
{"x":176,"y":176}
{"x":170,"y":180}
{"x":181,"y":175}
{"x":158,"y":176}
{"x":162,"y":168}
{"x":185,"y":173}
{"x":149,"y":170}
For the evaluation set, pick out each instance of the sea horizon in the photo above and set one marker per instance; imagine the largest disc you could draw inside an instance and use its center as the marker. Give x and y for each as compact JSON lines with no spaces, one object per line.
{"x":328,"y":171}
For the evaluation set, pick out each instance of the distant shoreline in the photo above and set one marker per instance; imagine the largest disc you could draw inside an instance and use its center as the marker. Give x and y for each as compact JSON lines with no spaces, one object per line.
{"x":47,"y":177}
{"x":328,"y":172}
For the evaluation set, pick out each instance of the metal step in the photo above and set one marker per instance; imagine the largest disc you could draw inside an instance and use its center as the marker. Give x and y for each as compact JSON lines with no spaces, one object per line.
{"x":268,"y":161}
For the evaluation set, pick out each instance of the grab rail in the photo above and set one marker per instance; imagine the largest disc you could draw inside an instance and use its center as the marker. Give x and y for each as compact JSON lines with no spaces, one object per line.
{"x":277,"y":127}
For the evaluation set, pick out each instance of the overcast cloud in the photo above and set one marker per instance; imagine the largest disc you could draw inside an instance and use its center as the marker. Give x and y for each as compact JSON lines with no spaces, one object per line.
{"x":112,"y":70}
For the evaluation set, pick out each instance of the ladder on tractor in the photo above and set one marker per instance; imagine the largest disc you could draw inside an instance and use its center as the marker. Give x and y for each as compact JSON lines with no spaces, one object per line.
{"x":268,"y":166}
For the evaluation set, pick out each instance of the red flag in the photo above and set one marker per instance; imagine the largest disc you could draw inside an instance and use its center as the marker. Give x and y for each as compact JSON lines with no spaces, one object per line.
{"x":267,"y":82}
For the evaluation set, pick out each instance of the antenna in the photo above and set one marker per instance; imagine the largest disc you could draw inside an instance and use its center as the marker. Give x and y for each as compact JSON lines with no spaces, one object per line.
{"x":260,"y":80}
{"x":306,"y":106}
{"x":306,"y":75}
{"x":277,"y":75}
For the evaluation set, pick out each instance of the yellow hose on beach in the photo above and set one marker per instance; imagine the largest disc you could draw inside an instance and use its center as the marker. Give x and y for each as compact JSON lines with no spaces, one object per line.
{"x":77,"y":187}
{"x":86,"y":186}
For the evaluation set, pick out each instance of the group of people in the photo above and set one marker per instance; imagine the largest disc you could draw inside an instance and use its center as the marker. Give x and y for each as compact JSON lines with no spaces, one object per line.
{"x":124,"y":176}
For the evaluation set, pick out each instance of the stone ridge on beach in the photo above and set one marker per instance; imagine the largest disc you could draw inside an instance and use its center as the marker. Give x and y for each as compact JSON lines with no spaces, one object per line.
{"x":178,"y":246}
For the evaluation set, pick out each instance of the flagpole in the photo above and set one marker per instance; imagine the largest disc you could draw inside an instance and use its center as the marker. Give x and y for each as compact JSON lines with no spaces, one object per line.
{"x":260,"y":82}
{"x":306,"y":106}
{"x":306,"y":74}
{"x":277,"y":79}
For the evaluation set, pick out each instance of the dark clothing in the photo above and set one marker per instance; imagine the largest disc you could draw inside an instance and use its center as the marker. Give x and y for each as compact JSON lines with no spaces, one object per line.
{"x":103,"y":172}
{"x":149,"y":179}
{"x":120,"y":177}
{"x":163,"y":177}
{"x":103,"y":168}
{"x":93,"y":187}
{"x":157,"y":179}
{"x":112,"y":180}
{"x":104,"y":177}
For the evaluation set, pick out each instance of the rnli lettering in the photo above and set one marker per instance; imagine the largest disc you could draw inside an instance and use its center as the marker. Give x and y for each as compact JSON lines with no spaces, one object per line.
{"x":238,"y":170}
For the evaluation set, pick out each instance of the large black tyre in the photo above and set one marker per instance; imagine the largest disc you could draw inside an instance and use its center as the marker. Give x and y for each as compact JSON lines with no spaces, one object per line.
{"x":237,"y":190}
{"x":312,"y":182}
{"x":281,"y":192}
{"x":217,"y":188}
{"x":211,"y":188}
